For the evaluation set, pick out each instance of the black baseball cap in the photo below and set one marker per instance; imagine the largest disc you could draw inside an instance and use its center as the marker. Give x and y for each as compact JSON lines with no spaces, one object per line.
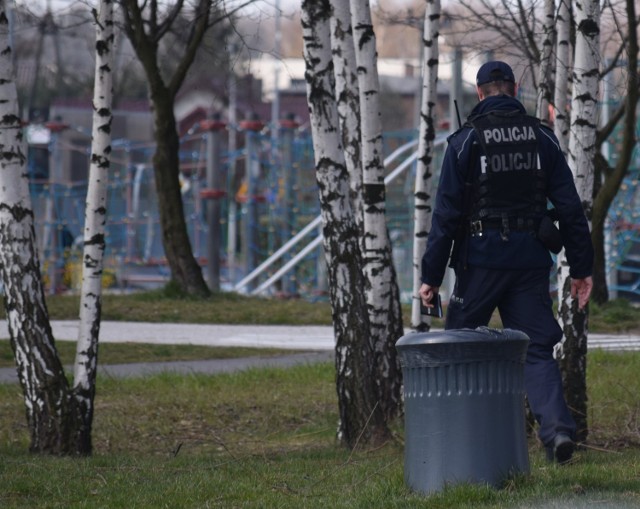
{"x":494,"y":71}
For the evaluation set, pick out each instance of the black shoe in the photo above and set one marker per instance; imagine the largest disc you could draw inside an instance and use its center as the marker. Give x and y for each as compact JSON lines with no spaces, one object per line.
{"x":561,"y":450}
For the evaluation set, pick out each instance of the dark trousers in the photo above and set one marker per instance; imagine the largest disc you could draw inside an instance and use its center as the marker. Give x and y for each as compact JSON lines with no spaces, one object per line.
{"x":522,"y":298}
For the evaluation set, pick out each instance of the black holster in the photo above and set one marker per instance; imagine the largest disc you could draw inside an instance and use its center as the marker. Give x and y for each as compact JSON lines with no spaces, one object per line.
{"x":549,"y":234}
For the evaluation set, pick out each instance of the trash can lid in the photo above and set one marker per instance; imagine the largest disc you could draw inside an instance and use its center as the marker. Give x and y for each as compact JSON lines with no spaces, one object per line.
{"x":480,"y":334}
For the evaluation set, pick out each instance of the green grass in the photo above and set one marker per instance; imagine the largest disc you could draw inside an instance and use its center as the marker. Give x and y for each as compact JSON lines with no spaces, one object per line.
{"x":124,"y":353}
{"x":330,"y":478}
{"x":618,"y":315}
{"x":225,"y":308}
{"x":613,"y":380}
{"x":265,"y":438}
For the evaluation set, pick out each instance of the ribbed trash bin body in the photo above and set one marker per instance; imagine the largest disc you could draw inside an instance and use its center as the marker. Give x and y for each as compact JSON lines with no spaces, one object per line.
{"x":464,"y":407}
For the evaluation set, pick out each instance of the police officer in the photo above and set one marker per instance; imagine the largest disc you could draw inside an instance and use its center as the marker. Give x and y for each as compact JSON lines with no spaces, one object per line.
{"x":511,"y":166}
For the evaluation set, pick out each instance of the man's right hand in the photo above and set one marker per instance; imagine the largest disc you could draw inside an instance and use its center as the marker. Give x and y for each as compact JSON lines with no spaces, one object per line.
{"x":582,"y":289}
{"x":427,"y":293}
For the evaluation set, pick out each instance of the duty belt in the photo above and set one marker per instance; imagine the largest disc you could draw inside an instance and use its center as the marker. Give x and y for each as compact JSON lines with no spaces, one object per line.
{"x":505,"y":225}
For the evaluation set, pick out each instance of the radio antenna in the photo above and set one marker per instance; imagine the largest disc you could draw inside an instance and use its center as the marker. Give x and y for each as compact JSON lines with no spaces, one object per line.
{"x":455,"y":103}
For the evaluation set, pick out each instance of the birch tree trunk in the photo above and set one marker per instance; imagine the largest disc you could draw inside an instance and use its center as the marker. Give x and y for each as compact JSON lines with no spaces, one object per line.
{"x":546,"y":63}
{"x":347,"y":95}
{"x":94,"y":225}
{"x":563,"y":64}
{"x":561,"y":121}
{"x":361,"y":417}
{"x":49,"y":407}
{"x":424,"y":171}
{"x":582,"y":148}
{"x":381,"y":288}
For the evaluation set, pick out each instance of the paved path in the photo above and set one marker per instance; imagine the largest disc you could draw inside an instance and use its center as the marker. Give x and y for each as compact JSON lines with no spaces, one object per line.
{"x":316,"y":341}
{"x":308,"y":337}
{"x":293,"y":337}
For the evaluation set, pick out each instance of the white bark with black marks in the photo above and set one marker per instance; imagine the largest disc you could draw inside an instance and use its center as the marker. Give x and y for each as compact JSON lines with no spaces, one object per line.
{"x":381,"y":288}
{"x":424,"y":171}
{"x":561,"y":111}
{"x":545,"y":82}
{"x":360,"y":417}
{"x":43,"y":381}
{"x":94,"y":221}
{"x":562,"y":65}
{"x":347,"y":95}
{"x":582,"y":149}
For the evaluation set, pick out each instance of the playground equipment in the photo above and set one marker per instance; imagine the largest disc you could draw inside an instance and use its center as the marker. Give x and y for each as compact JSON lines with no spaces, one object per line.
{"x":623,"y":235}
{"x":242,"y":284}
{"x":248,"y":211}
{"x":253,"y":200}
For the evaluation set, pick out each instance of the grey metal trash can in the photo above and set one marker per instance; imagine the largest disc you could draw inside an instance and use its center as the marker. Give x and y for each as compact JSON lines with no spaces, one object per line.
{"x":464,"y":407}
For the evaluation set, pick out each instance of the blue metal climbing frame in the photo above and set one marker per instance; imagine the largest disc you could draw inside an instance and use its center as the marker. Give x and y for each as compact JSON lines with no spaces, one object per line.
{"x":268,"y":195}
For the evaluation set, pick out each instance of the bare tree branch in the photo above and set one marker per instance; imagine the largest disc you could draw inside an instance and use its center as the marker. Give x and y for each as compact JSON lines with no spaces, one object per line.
{"x":145,"y":46}
{"x":200,"y":28}
{"x":162,"y":28}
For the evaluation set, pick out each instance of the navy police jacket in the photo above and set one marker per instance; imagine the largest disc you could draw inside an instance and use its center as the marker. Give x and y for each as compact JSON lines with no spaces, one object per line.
{"x":522,"y":250}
